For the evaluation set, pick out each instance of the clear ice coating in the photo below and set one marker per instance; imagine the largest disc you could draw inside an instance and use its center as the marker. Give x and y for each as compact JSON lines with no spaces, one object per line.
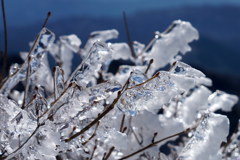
{"x":142,"y":92}
{"x":103,"y":90}
{"x":86,"y":72}
{"x":43,"y":42}
{"x":58,"y":81}
{"x":221,"y":100}
{"x":170,"y":43}
{"x":87,"y":114}
{"x":231,"y":150}
{"x":71,"y":41}
{"x":205,"y":144}
{"x":15,"y":123}
{"x":102,"y":36}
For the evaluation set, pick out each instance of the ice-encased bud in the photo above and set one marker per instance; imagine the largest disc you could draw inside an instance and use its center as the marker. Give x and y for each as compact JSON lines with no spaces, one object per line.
{"x":13,"y":69}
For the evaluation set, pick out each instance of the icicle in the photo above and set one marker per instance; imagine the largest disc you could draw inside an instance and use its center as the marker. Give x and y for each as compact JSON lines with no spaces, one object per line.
{"x":58,"y":81}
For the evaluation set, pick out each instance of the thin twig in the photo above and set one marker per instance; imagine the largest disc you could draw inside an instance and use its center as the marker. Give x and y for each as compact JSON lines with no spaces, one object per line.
{"x":100,"y":116}
{"x":130,"y":43}
{"x":155,"y":143}
{"x":122,"y":123}
{"x":149,"y":65}
{"x":105,"y":112}
{"x":109,"y":153}
{"x":33,"y":133}
{"x":94,"y":149}
{"x":94,"y":134}
{"x":29,"y":59}
{"x":5,"y":40}
{"x":140,"y":84}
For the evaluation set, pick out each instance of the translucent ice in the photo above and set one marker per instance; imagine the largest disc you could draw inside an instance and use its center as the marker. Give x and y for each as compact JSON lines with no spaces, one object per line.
{"x":87,"y":71}
{"x":205,"y":143}
{"x":71,"y":41}
{"x":44,"y":40}
{"x":222,"y":100}
{"x":169,"y":44}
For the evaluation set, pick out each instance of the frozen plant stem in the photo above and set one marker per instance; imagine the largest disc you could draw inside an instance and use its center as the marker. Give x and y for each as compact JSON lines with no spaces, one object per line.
{"x":29,"y":59}
{"x":122,"y":123}
{"x":155,"y":143}
{"x":149,"y":65}
{"x":105,"y":112}
{"x":130,"y":43}
{"x":100,"y":116}
{"x":94,"y":134}
{"x":109,"y":153}
{"x":5,"y":41}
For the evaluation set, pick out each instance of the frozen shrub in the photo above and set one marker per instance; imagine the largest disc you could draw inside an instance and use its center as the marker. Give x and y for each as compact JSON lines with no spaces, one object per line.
{"x":90,"y":113}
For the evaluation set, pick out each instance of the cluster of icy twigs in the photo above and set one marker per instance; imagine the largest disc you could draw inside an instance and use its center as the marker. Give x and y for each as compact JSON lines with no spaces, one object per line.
{"x":91,"y":113}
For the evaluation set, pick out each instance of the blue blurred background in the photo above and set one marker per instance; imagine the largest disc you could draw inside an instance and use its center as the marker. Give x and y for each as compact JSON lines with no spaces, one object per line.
{"x":216,"y":53}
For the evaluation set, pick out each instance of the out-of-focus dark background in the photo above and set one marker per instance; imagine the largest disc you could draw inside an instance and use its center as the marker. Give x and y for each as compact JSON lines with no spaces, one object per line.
{"x":216,"y":53}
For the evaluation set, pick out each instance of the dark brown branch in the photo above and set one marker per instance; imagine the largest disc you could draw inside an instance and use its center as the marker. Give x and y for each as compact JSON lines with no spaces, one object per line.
{"x":109,"y":153}
{"x":100,"y":116}
{"x":93,"y":135}
{"x":5,"y":40}
{"x":130,"y":43}
{"x":46,"y":20}
{"x":122,"y":123}
{"x":149,"y":65}
{"x":29,"y":59}
{"x":94,"y":149}
{"x":140,"y":84}
{"x":154,"y":144}
{"x":154,"y":136}
{"x":105,"y":112}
